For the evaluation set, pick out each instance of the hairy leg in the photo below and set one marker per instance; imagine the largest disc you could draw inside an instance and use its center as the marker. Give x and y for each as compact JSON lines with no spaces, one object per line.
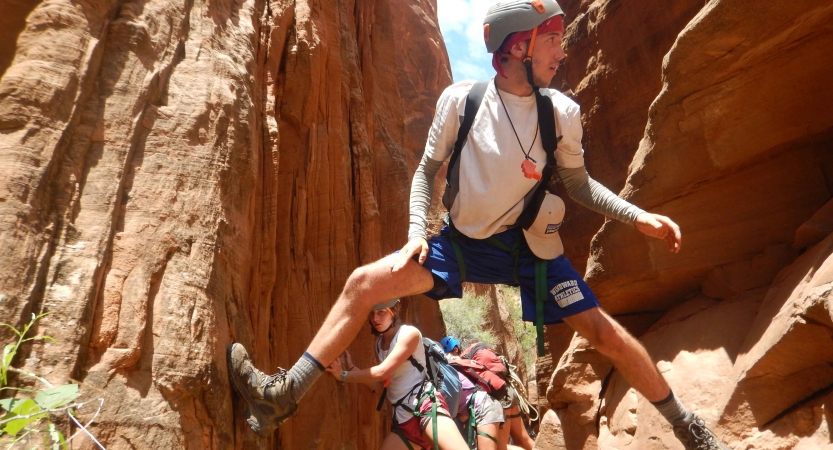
{"x":517,"y":429}
{"x":448,"y":436}
{"x":627,"y":354}
{"x":366,"y":286}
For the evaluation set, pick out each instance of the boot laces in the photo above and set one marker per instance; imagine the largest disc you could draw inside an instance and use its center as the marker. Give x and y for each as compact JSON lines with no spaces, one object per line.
{"x":700,"y":435}
{"x":271,"y":379}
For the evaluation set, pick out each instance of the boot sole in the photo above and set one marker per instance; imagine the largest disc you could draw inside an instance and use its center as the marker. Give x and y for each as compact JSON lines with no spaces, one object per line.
{"x":255,"y":420}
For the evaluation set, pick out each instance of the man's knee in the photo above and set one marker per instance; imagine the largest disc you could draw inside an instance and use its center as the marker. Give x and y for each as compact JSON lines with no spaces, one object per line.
{"x":363,"y":281}
{"x":359,"y":280}
{"x":607,"y":336}
{"x":367,"y":284}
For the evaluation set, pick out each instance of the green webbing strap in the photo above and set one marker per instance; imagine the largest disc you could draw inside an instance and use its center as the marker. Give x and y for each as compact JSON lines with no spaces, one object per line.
{"x":430,"y":393}
{"x":513,"y":416}
{"x":540,"y":298}
{"x":458,"y":252}
{"x":472,"y":424}
{"x":473,"y":432}
{"x":487,"y":435}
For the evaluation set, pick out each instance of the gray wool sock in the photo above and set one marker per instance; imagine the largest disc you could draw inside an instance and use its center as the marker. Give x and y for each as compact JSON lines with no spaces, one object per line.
{"x":303,"y":374}
{"x":673,"y":410}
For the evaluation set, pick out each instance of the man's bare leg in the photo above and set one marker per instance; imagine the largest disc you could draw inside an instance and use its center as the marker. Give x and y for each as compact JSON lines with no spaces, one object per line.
{"x":271,"y":399}
{"x":627,"y":354}
{"x":631,"y":359}
{"x":367,"y":286}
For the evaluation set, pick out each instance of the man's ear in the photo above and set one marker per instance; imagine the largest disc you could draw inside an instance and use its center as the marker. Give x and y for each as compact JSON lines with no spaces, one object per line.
{"x":519,"y":49}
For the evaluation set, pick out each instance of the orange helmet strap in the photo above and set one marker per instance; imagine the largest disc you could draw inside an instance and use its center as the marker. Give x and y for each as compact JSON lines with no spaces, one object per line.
{"x":531,"y":43}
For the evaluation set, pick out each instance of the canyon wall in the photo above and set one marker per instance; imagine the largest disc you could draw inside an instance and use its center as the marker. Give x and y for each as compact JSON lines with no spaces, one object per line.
{"x":729,"y":132}
{"x":179,"y":175}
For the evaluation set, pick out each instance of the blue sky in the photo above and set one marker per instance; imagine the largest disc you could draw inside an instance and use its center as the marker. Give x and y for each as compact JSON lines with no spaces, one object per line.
{"x":461,"y":23}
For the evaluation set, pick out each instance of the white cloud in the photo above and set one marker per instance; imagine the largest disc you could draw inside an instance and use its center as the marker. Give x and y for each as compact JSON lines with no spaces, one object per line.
{"x":454,"y":15}
{"x":465,"y":70}
{"x":461,"y":23}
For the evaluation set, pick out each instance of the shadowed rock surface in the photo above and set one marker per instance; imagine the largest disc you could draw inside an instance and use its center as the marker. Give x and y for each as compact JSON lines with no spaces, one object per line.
{"x":736,"y":147}
{"x":176,"y":176}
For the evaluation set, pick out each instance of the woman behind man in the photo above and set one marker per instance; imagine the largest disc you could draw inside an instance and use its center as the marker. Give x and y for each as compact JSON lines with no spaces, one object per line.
{"x":481,"y":416}
{"x":514,"y":425}
{"x":408,"y":389}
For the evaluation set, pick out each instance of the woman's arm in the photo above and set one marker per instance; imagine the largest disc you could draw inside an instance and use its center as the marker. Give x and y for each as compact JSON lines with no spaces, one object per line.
{"x":337,"y":367}
{"x":405,"y":347}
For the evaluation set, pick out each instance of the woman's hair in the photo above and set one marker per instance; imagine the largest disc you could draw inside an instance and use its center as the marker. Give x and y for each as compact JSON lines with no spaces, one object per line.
{"x":395,"y":311}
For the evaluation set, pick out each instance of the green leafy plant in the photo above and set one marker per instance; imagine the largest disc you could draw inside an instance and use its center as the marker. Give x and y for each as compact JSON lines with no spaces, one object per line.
{"x":27,"y":416}
{"x":465,"y":319}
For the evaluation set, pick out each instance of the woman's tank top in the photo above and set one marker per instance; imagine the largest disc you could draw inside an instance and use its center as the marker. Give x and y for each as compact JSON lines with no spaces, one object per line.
{"x":406,"y":379}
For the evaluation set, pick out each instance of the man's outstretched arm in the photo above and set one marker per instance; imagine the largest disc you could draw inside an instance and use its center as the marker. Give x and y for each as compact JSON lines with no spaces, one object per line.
{"x":593,"y":195}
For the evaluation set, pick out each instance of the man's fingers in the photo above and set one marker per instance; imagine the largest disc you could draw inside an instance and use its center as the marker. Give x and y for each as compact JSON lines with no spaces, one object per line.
{"x":399,"y":261}
{"x":404,"y":255}
{"x":423,"y":254}
{"x":671,"y":233}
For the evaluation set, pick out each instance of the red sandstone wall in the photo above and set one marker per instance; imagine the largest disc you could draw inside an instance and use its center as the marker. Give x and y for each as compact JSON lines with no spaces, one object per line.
{"x":175,"y":176}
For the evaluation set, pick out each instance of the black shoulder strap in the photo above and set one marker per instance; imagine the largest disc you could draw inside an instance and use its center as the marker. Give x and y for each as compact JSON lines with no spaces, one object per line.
{"x":416,"y":363}
{"x":473,"y":100}
{"x":382,"y":399}
{"x":476,"y":348}
{"x":549,"y":138}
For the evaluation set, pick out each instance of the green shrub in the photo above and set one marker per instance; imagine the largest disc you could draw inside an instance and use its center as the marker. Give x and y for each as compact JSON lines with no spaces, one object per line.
{"x":465,"y":319}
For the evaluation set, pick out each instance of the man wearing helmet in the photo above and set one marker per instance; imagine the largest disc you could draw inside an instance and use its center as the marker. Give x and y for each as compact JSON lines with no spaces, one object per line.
{"x":498,"y":171}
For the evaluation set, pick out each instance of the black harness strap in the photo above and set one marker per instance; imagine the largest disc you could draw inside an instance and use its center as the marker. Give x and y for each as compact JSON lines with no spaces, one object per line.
{"x":549,"y":140}
{"x":416,"y":363}
{"x":473,"y":101}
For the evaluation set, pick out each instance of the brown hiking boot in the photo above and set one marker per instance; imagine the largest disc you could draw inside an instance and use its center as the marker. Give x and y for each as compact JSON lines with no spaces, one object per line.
{"x":268,"y":396}
{"x":695,"y":435}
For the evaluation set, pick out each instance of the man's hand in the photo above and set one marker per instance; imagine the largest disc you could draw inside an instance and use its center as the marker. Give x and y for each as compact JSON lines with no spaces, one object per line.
{"x":414,"y":246}
{"x":660,"y":227}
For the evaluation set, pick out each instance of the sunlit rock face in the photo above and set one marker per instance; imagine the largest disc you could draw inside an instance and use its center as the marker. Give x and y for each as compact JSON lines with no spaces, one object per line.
{"x":179,"y":175}
{"x":735,"y":147}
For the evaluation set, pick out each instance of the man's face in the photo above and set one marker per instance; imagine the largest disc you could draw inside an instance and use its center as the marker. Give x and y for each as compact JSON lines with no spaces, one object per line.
{"x":546,"y":57}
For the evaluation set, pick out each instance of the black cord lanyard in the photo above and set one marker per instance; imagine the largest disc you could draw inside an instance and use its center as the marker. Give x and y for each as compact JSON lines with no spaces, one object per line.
{"x":527,"y":152}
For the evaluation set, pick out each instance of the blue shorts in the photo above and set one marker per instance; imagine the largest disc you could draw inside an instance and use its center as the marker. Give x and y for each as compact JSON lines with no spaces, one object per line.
{"x":486,"y":264}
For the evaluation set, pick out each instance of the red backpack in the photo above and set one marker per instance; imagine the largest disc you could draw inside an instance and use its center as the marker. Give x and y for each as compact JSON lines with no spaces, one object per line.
{"x":483,"y":366}
{"x":482,"y":354}
{"x":479,"y":374}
